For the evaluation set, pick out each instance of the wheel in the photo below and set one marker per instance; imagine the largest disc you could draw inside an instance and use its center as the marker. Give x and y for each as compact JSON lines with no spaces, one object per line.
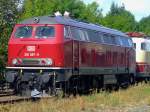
{"x":146,"y":80}
{"x":132,"y":80}
{"x":59,"y":93}
{"x":25,"y":89}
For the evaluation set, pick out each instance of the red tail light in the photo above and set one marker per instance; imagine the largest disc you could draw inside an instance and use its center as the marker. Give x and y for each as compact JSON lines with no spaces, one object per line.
{"x":43,"y":62}
{"x":140,"y":68}
{"x":19,"y":61}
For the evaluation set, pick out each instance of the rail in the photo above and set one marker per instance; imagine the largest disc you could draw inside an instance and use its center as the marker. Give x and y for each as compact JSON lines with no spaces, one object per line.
{"x":12,"y":99}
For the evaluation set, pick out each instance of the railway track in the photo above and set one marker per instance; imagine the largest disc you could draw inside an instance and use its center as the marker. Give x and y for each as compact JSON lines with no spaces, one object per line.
{"x":6,"y":93}
{"x":17,"y":99}
{"x":13,"y":99}
{"x":8,"y":97}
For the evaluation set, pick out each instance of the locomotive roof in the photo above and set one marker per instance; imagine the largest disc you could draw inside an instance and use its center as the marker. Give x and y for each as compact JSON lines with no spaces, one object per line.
{"x":71,"y":22}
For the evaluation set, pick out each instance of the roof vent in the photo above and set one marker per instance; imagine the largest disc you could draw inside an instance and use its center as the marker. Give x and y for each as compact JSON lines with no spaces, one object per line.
{"x":58,"y":13}
{"x":66,"y":14}
{"x":36,"y":20}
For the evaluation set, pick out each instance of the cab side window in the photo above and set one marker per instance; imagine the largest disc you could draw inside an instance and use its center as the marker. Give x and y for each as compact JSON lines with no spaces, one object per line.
{"x":134,"y":44}
{"x":113,"y":38}
{"x":75,"y":33}
{"x":145,"y":46}
{"x":108,"y":39}
{"x":130,"y":42}
{"x":82,"y":34}
{"x":79,"y":34}
{"x":67,"y":32}
{"x":86,"y":35}
{"x":125,"y":42}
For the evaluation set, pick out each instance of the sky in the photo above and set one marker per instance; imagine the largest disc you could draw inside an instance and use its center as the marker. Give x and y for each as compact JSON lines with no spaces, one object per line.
{"x":139,"y":8}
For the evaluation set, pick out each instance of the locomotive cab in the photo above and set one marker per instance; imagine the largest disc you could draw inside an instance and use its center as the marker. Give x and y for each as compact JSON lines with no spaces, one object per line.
{"x":35,"y":45}
{"x":35,"y":50}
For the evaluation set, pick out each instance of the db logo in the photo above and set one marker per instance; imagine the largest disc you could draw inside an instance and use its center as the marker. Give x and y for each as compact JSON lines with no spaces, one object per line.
{"x":30,"y":48}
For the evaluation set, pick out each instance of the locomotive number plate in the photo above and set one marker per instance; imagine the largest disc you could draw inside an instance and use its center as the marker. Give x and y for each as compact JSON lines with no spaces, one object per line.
{"x":31,"y":48}
{"x":31,"y":54}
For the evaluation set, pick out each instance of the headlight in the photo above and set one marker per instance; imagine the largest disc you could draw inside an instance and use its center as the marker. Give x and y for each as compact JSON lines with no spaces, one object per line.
{"x":14,"y":61}
{"x":49,"y":61}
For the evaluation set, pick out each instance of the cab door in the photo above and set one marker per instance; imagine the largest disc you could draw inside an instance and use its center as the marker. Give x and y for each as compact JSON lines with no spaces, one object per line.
{"x":75,"y":57}
{"x":75,"y":49}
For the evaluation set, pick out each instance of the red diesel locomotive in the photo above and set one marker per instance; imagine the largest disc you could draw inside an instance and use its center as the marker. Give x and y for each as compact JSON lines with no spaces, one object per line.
{"x":57,"y":53}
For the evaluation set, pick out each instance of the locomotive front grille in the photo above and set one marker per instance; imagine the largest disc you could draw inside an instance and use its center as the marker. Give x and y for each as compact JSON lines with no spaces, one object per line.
{"x":30,"y":62}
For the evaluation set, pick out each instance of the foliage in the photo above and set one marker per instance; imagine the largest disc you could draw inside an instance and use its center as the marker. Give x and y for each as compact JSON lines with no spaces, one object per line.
{"x":145,"y":25}
{"x":8,"y":12}
{"x":34,"y":8}
{"x":121,"y":19}
{"x":91,"y":13}
{"x":77,"y":9}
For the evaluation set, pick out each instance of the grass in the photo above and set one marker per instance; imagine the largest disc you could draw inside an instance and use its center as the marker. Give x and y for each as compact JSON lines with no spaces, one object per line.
{"x":119,"y":101}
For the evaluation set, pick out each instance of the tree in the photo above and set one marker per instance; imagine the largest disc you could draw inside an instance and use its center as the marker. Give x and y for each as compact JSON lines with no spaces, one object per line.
{"x":91,"y":13}
{"x":76,"y":8}
{"x":144,"y":25}
{"x":34,"y":8}
{"x":121,"y":19}
{"x":8,"y":12}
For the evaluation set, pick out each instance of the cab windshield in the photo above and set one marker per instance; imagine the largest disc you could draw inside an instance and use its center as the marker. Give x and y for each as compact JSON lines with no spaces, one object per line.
{"x":45,"y":32}
{"x":23,"y":32}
